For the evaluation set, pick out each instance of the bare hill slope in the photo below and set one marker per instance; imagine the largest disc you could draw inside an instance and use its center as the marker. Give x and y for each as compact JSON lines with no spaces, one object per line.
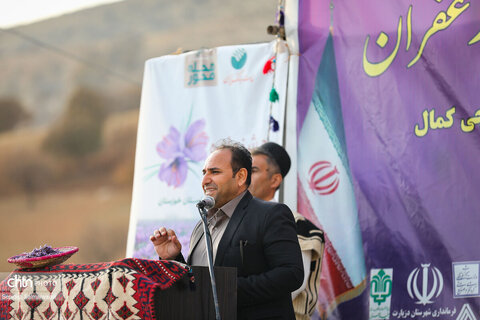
{"x":106,"y":47}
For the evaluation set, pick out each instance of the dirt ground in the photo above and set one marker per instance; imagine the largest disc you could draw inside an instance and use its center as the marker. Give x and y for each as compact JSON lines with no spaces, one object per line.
{"x":93,"y":219}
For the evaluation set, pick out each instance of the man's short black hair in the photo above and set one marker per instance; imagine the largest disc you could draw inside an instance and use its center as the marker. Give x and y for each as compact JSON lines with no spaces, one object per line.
{"x":273,"y":167}
{"x":241,"y":157}
{"x":277,"y":155}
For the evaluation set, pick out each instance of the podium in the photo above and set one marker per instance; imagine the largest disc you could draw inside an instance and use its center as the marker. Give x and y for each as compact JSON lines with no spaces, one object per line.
{"x":180,"y":302}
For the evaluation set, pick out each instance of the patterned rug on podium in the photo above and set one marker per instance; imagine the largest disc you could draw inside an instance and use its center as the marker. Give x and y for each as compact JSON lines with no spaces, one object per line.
{"x":115,"y":290}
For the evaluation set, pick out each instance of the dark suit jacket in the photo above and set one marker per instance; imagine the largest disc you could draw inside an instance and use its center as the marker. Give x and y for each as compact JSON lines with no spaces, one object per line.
{"x":261,"y":242}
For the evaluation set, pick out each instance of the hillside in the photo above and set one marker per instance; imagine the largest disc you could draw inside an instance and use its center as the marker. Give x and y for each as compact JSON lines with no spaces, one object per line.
{"x":60,"y":200}
{"x":106,"y":47}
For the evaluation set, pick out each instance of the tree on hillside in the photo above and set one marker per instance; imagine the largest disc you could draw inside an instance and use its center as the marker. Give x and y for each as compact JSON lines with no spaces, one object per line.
{"x":79,"y":131}
{"x":11,"y":113}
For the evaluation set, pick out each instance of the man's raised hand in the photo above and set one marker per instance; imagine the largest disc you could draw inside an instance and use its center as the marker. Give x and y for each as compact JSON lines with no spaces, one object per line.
{"x":166,"y":243}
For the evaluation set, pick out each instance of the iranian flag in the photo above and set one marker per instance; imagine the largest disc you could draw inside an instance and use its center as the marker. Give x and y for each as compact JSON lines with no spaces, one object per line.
{"x":325,"y":190}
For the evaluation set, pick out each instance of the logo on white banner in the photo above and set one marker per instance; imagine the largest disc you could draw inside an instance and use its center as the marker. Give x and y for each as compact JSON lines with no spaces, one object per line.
{"x":431,"y":284}
{"x":201,"y":69}
{"x":239,"y":58}
{"x":238,"y":61}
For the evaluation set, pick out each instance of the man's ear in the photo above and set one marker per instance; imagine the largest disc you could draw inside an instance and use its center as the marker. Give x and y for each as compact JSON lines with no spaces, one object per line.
{"x":276,"y":180}
{"x":241,"y":176}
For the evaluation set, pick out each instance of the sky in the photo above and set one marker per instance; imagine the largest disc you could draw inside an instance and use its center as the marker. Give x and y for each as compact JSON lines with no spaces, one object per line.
{"x":18,"y":12}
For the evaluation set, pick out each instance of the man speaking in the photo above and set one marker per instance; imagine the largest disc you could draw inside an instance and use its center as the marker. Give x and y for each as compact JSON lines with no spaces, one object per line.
{"x":258,"y":238}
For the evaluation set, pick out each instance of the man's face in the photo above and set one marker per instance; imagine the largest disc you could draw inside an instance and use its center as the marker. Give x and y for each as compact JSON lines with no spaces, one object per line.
{"x":218,"y":181}
{"x":262,"y":184}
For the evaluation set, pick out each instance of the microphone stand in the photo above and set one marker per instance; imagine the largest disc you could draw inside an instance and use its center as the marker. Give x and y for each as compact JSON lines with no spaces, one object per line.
{"x":208,"y":244}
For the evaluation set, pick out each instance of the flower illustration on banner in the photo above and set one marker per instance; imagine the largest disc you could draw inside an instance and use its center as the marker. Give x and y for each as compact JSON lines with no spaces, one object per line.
{"x":179,"y":150}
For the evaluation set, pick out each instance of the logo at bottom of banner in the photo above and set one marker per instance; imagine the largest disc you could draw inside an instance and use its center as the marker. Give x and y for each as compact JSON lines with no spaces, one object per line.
{"x":466,"y":313}
{"x":425,"y":288}
{"x":380,"y":293}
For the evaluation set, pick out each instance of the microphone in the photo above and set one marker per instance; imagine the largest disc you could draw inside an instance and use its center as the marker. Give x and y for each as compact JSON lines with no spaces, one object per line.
{"x":206,"y":203}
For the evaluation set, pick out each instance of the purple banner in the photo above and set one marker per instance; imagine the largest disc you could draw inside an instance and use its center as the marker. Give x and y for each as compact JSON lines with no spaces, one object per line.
{"x":408,"y":79}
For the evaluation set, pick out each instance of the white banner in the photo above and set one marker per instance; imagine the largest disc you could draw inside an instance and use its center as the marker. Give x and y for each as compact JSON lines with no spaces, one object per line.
{"x":189,"y":102}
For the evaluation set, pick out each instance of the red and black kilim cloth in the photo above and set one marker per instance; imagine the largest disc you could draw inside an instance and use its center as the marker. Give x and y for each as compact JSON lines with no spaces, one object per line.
{"x":114,"y":290}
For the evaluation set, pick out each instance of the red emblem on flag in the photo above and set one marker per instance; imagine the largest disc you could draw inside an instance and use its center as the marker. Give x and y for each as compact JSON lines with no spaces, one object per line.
{"x":324,"y":178}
